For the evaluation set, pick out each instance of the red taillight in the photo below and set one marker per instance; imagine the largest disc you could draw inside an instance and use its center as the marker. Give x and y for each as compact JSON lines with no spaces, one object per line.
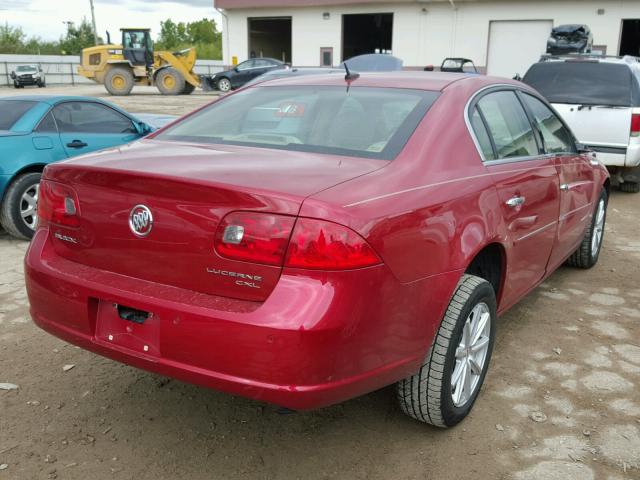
{"x":317,"y":244}
{"x":314,"y":244}
{"x":57,"y":204}
{"x":254,"y":237}
{"x":635,"y":125}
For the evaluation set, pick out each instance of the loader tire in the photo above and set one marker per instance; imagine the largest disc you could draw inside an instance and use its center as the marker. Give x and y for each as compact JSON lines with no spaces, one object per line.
{"x":188,"y":89}
{"x":119,"y":81}
{"x":170,"y":81}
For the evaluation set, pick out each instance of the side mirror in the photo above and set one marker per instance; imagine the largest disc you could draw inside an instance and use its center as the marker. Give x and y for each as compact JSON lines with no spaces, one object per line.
{"x":236,"y":69}
{"x":582,"y":149}
{"x":13,"y":75}
{"x":142,"y":128}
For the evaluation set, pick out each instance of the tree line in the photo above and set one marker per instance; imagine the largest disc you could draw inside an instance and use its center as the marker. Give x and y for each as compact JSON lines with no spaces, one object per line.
{"x":202,"y":34}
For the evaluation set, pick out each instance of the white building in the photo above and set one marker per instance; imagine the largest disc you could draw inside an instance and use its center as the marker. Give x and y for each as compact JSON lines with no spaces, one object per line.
{"x":503,"y":37}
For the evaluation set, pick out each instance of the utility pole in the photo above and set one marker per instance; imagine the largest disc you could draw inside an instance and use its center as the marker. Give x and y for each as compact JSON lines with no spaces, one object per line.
{"x":93,"y":21}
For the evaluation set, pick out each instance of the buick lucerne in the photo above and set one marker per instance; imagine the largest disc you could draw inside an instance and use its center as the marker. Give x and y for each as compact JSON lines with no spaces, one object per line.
{"x":312,"y":239}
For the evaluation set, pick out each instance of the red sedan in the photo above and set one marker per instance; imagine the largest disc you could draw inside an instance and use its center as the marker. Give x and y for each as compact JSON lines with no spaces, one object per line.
{"x":309,"y":240}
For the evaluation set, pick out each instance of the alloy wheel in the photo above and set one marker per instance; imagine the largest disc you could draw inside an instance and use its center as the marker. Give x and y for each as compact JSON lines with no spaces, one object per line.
{"x":471,"y":355}
{"x":224,"y":85}
{"x":29,"y":206}
{"x":598,"y":229}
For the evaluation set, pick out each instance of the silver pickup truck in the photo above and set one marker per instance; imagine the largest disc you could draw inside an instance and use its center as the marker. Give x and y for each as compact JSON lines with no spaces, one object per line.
{"x":599,"y":97}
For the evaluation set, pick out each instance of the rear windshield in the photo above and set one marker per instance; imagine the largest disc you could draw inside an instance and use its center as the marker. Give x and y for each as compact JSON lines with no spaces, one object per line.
{"x":11,"y":111}
{"x":585,"y":83}
{"x":359,"y":121}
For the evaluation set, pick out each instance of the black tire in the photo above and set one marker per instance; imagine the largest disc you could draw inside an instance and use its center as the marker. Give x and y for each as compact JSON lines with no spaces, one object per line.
{"x":170,"y":81}
{"x":119,"y":81}
{"x":188,"y":89}
{"x":10,"y":211}
{"x":224,"y":85}
{"x":630,"y":187}
{"x":586,"y":256}
{"x":427,"y":395}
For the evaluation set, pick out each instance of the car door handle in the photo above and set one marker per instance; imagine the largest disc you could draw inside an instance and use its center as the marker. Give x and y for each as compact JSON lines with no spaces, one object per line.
{"x":76,"y":144}
{"x":564,"y":187}
{"x":515,"y":202}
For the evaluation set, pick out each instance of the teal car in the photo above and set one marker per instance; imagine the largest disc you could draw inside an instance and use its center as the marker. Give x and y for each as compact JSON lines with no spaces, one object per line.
{"x":38,"y":130}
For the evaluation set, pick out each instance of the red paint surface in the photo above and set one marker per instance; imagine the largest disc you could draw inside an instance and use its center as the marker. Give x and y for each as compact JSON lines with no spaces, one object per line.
{"x":307,"y":338}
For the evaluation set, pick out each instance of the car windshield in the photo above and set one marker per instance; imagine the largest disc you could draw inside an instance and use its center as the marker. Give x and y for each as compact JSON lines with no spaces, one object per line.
{"x":11,"y":111}
{"x":25,"y":68}
{"x":360,"y":121}
{"x":585,"y":83}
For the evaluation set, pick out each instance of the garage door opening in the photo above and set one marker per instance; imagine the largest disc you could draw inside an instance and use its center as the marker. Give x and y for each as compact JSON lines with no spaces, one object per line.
{"x":270,"y":37}
{"x":630,"y":38}
{"x":366,"y":33}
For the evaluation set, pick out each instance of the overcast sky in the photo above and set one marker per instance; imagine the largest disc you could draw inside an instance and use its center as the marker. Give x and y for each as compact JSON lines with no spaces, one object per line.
{"x":44,"y":18}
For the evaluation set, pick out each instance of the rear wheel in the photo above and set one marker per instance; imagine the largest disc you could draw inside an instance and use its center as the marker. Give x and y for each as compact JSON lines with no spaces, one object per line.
{"x":119,"y":81}
{"x":188,"y":89}
{"x":224,"y":85}
{"x":586,"y":256}
{"x":170,"y":81}
{"x":444,"y":390}
{"x":18,"y":213}
{"x":630,"y":187}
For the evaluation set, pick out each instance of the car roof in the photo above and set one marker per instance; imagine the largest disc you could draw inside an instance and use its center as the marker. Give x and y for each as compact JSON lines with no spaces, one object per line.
{"x":52,"y":99}
{"x":419,"y":80}
{"x":625,"y":60}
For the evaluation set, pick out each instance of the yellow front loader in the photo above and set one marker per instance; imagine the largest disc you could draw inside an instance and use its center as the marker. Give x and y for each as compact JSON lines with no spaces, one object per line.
{"x":134,"y":62}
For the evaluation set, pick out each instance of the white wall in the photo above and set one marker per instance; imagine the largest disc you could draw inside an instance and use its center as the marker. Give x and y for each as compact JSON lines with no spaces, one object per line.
{"x":426,"y":32}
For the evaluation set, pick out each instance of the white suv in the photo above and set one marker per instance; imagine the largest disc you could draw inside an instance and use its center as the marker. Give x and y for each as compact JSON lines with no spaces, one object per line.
{"x":599,"y":97}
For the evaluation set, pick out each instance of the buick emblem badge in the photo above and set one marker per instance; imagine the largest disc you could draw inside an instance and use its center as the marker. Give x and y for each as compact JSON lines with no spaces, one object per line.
{"x":140,"y":220}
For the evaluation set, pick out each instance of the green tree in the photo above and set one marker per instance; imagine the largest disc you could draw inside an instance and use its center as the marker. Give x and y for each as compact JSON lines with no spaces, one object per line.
{"x":202,"y":34}
{"x":11,"y":39}
{"x":77,"y":38}
{"x":14,"y":41}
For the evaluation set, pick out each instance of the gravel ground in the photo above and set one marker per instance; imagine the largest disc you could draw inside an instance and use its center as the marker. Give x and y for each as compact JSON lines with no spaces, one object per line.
{"x":561,"y":401}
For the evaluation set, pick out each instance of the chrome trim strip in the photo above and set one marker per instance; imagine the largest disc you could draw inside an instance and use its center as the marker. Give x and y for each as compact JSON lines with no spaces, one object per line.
{"x":437,"y":184}
{"x":567,"y":214}
{"x":535,"y":232}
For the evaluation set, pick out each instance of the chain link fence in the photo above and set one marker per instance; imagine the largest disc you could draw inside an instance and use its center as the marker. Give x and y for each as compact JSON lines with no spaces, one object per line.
{"x":63,"y":69}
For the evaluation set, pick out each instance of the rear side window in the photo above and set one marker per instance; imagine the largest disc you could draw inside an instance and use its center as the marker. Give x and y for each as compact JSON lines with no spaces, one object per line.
{"x":12,"y":110}
{"x":47,"y":124}
{"x":556,"y":137}
{"x":508,"y":125}
{"x":86,"y":117}
{"x":585,"y":83}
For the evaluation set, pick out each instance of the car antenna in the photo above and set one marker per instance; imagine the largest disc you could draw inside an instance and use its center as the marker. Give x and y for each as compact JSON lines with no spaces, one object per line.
{"x":350,"y":76}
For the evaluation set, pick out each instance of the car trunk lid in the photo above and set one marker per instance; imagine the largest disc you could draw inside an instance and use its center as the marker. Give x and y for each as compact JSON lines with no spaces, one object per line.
{"x":188,"y":189}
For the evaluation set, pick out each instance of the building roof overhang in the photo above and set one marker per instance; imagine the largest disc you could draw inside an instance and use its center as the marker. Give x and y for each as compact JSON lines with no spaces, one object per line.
{"x":239,"y":4}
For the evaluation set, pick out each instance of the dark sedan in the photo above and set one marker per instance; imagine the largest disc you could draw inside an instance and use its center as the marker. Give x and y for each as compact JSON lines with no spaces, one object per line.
{"x":243,"y":73}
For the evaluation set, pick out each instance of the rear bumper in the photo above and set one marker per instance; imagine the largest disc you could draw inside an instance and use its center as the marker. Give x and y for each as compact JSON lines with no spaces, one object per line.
{"x":319,"y":339}
{"x":618,"y":156}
